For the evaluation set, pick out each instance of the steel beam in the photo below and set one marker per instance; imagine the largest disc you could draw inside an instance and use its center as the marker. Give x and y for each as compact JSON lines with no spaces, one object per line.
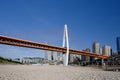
{"x":29,"y":44}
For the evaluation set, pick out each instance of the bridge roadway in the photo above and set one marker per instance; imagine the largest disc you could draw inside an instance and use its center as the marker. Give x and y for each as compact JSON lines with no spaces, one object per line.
{"x":24,"y":43}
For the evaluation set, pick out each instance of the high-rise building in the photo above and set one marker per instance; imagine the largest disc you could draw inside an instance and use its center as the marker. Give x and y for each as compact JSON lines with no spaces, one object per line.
{"x":71,"y":57}
{"x":87,"y":57}
{"x":87,"y":49}
{"x":118,"y":44}
{"x":106,"y":50}
{"x":48,"y":55}
{"x":55,"y":56}
{"x":95,"y":47}
{"x":100,"y":51}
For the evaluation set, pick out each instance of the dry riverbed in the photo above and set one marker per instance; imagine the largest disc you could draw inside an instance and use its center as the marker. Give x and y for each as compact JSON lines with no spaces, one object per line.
{"x":54,"y":72}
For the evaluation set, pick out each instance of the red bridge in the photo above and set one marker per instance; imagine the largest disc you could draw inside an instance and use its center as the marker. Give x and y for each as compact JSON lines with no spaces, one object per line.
{"x":36,"y":45}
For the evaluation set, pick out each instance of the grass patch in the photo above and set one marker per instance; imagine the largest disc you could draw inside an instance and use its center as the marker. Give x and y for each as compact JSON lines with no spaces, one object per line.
{"x":7,"y":61}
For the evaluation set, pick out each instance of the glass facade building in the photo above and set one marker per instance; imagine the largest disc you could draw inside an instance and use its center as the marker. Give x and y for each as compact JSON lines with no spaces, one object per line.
{"x":118,"y":44}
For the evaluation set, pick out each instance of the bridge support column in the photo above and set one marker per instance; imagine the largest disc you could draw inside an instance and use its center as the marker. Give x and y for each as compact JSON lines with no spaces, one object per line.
{"x":102,"y":61}
{"x":65,"y":41}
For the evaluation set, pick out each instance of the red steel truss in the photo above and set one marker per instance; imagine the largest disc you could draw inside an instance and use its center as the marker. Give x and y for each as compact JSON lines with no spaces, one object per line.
{"x":30,"y":44}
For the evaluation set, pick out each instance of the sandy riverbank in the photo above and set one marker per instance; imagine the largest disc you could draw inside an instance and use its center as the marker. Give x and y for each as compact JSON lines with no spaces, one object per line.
{"x":54,"y":72}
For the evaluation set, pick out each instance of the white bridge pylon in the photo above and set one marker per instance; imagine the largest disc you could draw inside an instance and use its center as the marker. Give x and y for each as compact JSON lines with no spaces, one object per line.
{"x":65,"y":44}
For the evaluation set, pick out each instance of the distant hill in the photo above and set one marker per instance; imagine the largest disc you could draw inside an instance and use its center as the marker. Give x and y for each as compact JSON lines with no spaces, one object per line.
{"x":7,"y":61}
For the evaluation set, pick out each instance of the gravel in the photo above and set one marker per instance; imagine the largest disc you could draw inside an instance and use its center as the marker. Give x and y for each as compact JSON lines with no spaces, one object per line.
{"x":54,"y":72}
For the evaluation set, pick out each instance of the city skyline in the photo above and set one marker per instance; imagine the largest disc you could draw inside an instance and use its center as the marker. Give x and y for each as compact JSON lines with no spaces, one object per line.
{"x":43,"y":21}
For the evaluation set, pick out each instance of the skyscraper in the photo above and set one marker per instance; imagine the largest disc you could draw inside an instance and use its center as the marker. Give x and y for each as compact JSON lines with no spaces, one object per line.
{"x":118,"y":44}
{"x":55,"y":55}
{"x":100,"y":51}
{"x":87,"y":57}
{"x":95,"y":47}
{"x":48,"y":55}
{"x":106,"y":50}
{"x":71,"y":57}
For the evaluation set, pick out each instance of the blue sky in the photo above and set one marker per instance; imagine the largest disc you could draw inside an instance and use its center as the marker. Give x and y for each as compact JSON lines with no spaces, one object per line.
{"x":43,"y":21}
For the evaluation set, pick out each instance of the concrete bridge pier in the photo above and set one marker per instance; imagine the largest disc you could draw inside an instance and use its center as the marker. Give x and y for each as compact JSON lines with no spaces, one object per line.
{"x":102,"y":61}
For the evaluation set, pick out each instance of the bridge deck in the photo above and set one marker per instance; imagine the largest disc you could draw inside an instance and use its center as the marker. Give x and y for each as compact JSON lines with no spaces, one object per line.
{"x":30,"y":44}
